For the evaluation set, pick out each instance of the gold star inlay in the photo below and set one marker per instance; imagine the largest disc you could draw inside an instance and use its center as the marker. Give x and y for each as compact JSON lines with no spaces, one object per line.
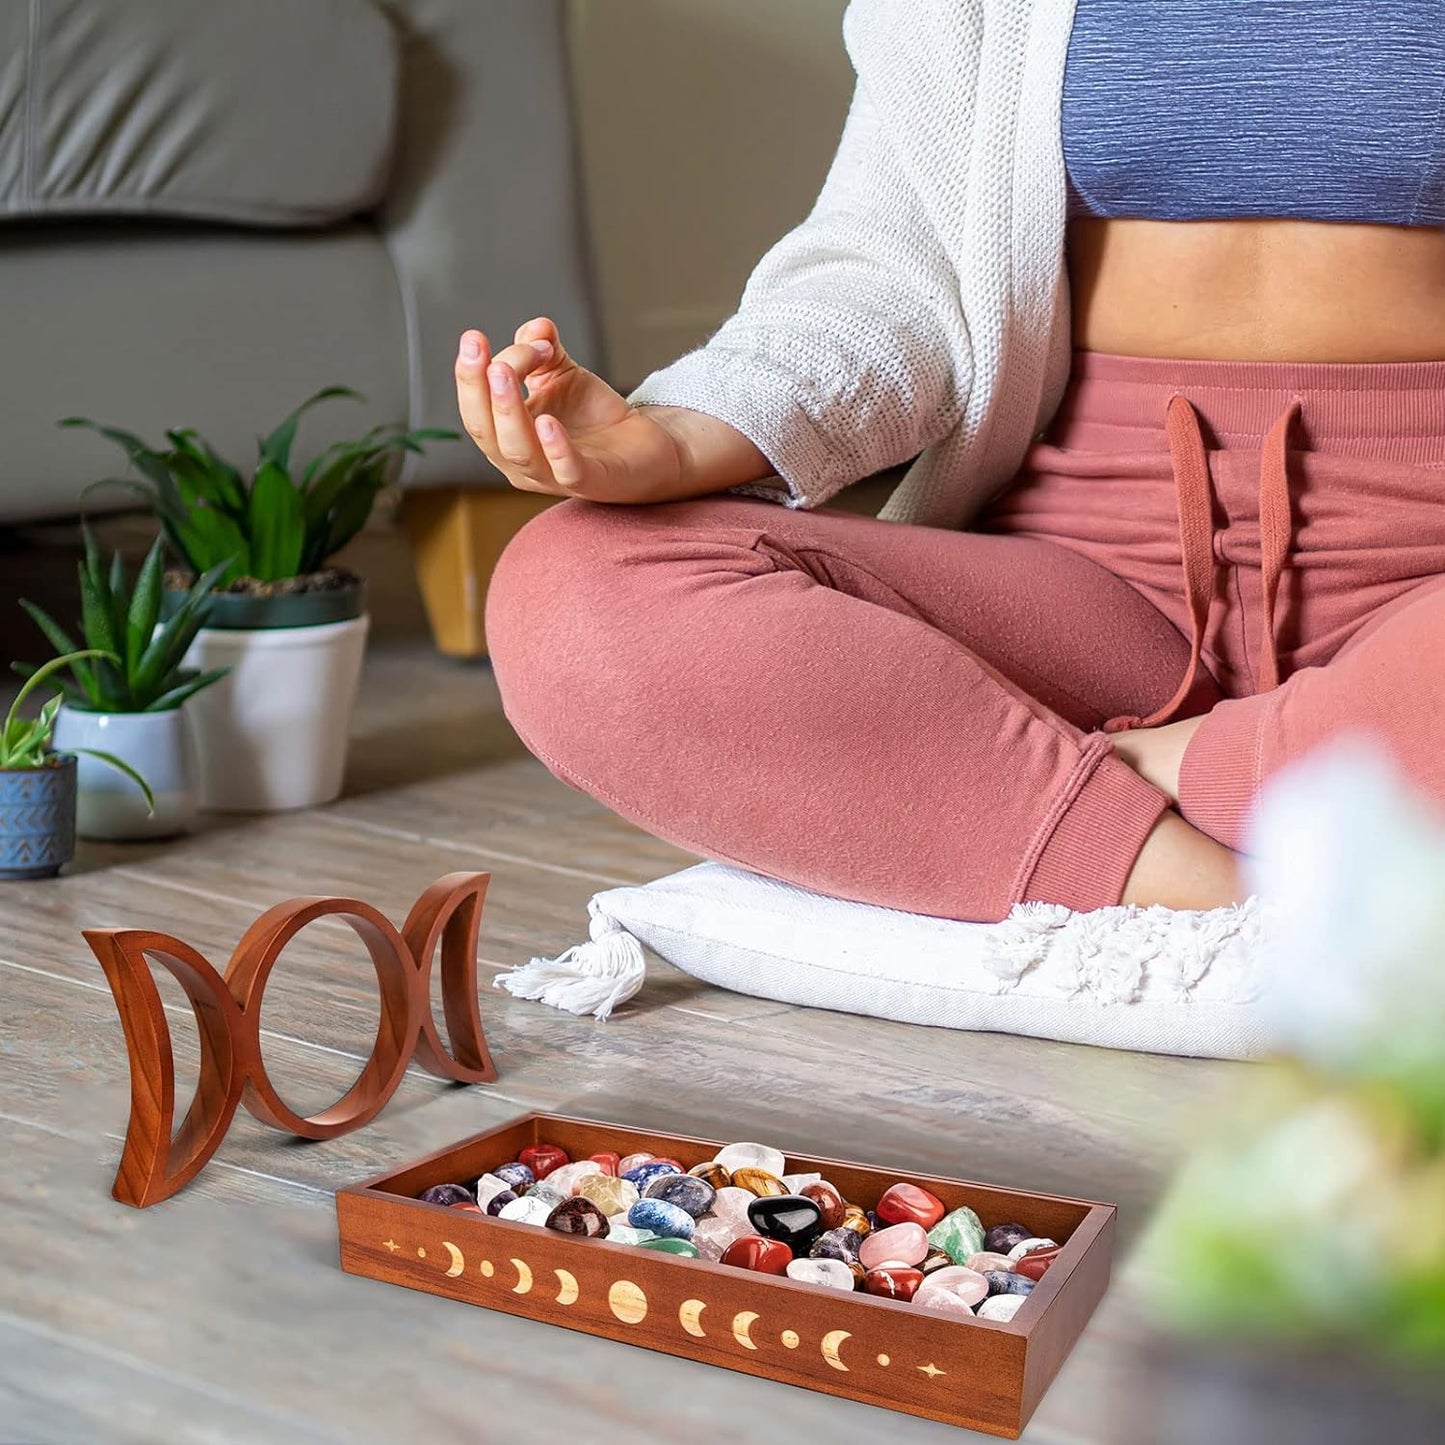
{"x":391,"y":1246}
{"x":931,"y":1370}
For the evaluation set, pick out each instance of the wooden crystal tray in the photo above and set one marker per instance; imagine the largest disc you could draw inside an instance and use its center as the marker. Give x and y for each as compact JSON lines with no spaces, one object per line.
{"x":978,"y":1373}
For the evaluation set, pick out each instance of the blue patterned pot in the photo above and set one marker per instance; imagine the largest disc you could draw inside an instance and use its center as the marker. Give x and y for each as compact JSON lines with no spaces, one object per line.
{"x":37,"y":819}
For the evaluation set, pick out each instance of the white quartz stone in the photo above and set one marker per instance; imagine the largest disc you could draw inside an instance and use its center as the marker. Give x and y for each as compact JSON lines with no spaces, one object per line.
{"x":830,"y":1272}
{"x":1000,"y":1306}
{"x":527,"y":1210}
{"x":752,"y":1156}
{"x":1028,"y":1246}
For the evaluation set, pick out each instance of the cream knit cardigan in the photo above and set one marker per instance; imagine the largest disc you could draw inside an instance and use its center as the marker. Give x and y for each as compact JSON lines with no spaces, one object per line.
{"x":922,"y":309}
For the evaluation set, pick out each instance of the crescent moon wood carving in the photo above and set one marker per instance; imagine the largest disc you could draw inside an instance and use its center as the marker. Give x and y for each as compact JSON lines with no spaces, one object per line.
{"x":567,"y":1291}
{"x":832,"y":1343}
{"x":458,"y":1263}
{"x":689,"y":1316}
{"x":524,"y":1277}
{"x":743,"y":1322}
{"x":159,"y":1160}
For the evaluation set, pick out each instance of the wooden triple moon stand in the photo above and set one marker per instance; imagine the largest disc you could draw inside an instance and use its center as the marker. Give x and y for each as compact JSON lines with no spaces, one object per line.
{"x":154,"y":1165}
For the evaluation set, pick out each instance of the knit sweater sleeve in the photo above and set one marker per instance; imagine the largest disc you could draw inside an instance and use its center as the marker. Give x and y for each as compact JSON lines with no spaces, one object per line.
{"x":849,"y":352}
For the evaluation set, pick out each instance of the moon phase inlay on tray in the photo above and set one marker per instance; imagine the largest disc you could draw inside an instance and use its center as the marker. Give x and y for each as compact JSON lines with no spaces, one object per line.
{"x":689,"y":1316}
{"x":458,"y":1263}
{"x":832,"y":1343}
{"x":524,"y":1277}
{"x":743,"y":1322}
{"x":567,"y":1291}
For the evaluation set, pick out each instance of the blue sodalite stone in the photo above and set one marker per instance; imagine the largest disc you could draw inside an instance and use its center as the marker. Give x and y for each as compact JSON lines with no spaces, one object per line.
{"x":1006,"y":1282}
{"x":644,"y":1174}
{"x":663,"y":1219}
{"x":515,"y":1176}
{"x":448,"y":1194}
{"x":693,"y":1195}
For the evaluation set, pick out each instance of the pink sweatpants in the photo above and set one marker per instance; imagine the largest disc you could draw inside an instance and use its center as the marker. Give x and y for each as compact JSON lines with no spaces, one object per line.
{"x":921,"y":718}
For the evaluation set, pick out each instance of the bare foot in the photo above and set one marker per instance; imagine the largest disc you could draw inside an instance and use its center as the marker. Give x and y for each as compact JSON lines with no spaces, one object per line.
{"x":1157,"y":754}
{"x":1181,"y":867}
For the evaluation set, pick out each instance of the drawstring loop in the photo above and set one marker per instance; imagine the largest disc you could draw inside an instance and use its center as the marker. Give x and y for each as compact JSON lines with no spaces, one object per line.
{"x":1196,"y":544}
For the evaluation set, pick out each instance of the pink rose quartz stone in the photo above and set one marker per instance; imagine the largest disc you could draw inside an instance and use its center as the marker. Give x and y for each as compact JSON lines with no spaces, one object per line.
{"x":967,"y":1284}
{"x":944,"y":1301}
{"x":905,"y":1244}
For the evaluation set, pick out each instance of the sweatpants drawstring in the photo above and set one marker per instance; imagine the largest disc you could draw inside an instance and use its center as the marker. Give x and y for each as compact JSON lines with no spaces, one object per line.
{"x":1196,"y":544}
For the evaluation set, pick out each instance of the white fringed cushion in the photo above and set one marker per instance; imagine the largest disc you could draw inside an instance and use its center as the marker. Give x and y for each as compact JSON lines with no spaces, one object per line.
{"x":1125,"y":978}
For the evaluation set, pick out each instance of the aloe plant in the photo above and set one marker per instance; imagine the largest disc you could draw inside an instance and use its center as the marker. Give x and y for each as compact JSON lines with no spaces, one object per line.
{"x":273,"y":525}
{"x":25,"y":743}
{"x":132,"y":660}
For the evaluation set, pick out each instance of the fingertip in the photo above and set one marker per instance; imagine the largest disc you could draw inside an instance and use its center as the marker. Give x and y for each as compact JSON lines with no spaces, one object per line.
{"x":472,"y":348}
{"x":539,"y":328}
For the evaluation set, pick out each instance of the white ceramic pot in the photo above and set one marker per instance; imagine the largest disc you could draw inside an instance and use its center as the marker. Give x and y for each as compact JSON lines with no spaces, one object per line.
{"x":272,"y":735}
{"x":157,"y":745}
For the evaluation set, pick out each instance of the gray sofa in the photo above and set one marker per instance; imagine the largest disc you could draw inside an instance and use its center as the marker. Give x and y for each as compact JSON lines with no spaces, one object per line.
{"x":209,"y":210}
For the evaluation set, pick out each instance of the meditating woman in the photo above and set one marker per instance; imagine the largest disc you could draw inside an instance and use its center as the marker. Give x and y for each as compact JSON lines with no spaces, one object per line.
{"x":1154,"y":296}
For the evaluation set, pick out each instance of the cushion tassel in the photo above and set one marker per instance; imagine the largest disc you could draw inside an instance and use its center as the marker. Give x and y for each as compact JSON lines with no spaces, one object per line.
{"x":593,"y":977}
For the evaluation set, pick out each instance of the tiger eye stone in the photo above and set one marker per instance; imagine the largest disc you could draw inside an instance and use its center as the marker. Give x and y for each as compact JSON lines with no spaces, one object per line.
{"x":579,"y":1216}
{"x":759,"y":1182}
{"x":763,"y":1256}
{"x":894,"y":1282}
{"x":611,"y":1195}
{"x":856,"y":1219}
{"x":790,"y":1217}
{"x":448,"y":1194}
{"x":718,"y":1175}
{"x":542,"y":1159}
{"x":828,"y":1200}
{"x":937,"y":1260}
{"x":908,"y":1204}
{"x":1034,"y":1266}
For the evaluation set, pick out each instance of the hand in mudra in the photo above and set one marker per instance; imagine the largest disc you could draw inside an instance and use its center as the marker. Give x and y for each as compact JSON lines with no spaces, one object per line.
{"x":548,"y":425}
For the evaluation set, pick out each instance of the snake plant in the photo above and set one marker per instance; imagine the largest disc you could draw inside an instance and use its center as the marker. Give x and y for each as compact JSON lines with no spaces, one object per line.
{"x":272,"y":525}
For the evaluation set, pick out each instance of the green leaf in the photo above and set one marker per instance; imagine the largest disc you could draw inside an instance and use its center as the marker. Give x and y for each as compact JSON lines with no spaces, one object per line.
{"x":96,"y":621}
{"x":145,"y":607}
{"x":221,"y":482}
{"x":276,"y":520}
{"x":41,"y":675}
{"x":122,"y":767}
{"x":354,"y":506}
{"x":187,"y":689}
{"x":156,"y":673}
{"x":277,"y":447}
{"x":148,"y":462}
{"x":210,"y":539}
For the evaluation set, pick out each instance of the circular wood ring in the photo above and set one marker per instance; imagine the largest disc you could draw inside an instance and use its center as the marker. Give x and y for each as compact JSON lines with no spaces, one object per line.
{"x":397,"y":979}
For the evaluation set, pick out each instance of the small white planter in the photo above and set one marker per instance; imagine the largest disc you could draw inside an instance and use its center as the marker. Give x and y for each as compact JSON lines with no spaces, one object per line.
{"x":272,"y":735}
{"x":157,"y":745}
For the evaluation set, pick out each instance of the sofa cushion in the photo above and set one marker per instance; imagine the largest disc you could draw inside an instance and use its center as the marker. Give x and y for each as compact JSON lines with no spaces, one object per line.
{"x":267,"y":113}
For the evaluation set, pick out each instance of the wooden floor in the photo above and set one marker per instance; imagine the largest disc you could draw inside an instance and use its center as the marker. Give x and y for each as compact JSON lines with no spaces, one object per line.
{"x":222,"y":1315}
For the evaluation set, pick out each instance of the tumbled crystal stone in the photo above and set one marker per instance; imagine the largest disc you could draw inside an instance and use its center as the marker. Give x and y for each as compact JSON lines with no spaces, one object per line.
{"x":830,"y":1272}
{"x":944,"y":1301}
{"x":795,"y":1183}
{"x":626,"y":1234}
{"x":718,"y":1175}
{"x":842,"y":1244}
{"x":629,"y":1162}
{"x":987,"y":1260}
{"x":1001,"y":1306}
{"x":1002,"y":1281}
{"x":1029,"y":1246}
{"x":610,"y":1195}
{"x":752,"y":1156}
{"x":790,"y":1217}
{"x":579,"y":1216}
{"x":683,"y":1247}
{"x":542,"y":1159}
{"x":958,"y":1234}
{"x":607,"y":1161}
{"x":500,"y":1200}
{"x":828,"y":1200}
{"x":937,"y":1259}
{"x":526,"y":1210}
{"x":713,"y":1234}
{"x":905,"y":1244}
{"x":644,"y":1174}
{"x":569,"y":1176}
{"x":752,"y":1251}
{"x":688,"y":1192}
{"x":488,"y":1186}
{"x":893,"y":1282}
{"x":759,"y":1182}
{"x":661,"y":1218}
{"x":732,"y":1203}
{"x":968,"y":1284}
{"x":908,"y":1204}
{"x":856,"y":1219}
{"x":515,"y":1176}
{"x":447,"y":1194}
{"x":1002,"y":1237}
{"x":543,"y":1190}
{"x":1035,"y":1264}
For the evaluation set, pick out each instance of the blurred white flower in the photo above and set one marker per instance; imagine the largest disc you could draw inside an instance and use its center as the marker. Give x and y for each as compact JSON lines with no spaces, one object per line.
{"x":1353,"y":868}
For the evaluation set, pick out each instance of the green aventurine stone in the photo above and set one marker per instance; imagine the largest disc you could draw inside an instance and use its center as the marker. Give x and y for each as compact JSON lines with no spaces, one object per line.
{"x":671,"y":1246}
{"x":958,"y":1235}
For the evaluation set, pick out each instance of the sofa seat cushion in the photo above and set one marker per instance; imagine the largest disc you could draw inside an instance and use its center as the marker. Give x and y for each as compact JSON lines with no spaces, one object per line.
{"x":278,"y":113}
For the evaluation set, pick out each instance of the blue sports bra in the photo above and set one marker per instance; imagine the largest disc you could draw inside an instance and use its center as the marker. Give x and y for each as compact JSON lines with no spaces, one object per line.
{"x":1194,"y":109}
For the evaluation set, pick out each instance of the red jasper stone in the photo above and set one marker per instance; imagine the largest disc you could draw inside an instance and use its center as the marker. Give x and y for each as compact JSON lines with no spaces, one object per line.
{"x":764,"y":1256}
{"x":542,"y":1159}
{"x":1034,"y":1266}
{"x":470,"y":1208}
{"x":894,"y":1282}
{"x":609,"y":1162}
{"x":827,"y":1198}
{"x":908,"y":1204}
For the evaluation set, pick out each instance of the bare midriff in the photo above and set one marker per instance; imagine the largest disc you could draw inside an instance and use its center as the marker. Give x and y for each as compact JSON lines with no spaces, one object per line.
{"x":1258,"y":290}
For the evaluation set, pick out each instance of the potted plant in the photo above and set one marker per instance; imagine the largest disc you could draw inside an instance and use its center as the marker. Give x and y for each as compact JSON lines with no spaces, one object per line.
{"x":128,"y":697}
{"x":37,"y":784}
{"x":289,"y":630}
